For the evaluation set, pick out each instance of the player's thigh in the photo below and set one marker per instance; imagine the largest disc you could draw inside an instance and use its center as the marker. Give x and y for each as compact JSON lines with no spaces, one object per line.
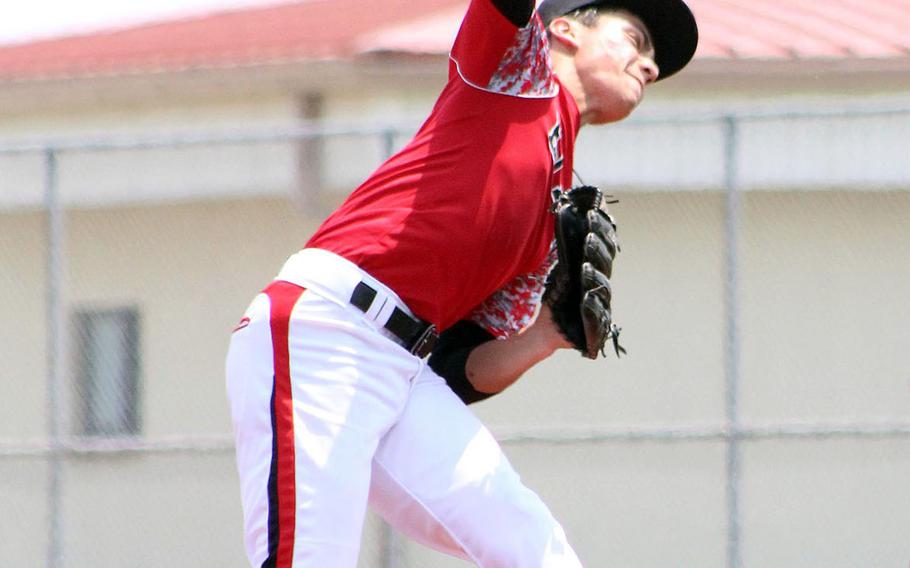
{"x":309,"y":405}
{"x":440,"y":477}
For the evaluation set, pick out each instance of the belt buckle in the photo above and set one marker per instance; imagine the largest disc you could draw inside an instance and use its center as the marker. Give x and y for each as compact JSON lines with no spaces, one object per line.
{"x":425,"y":342}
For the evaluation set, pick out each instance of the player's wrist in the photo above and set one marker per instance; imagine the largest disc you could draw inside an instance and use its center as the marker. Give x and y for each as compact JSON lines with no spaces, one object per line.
{"x":547,"y":332}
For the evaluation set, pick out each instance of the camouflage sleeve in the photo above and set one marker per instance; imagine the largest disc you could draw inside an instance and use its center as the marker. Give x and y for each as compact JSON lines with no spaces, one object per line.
{"x":492,"y":54}
{"x":513,"y":307}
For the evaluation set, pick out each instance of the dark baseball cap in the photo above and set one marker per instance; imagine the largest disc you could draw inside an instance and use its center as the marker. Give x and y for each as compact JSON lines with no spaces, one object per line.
{"x":670,"y":22}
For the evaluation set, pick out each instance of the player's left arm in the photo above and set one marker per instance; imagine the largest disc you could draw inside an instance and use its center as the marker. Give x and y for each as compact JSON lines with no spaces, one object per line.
{"x":500,"y":339}
{"x":476,"y":365}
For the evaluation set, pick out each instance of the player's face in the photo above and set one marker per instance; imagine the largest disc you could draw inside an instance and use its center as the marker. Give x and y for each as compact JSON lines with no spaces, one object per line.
{"x":615,"y":62}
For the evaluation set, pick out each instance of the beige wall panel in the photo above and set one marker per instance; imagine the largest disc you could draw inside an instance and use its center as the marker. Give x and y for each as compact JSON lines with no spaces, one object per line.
{"x":641,"y":504}
{"x":23,"y":332}
{"x":388,"y":106}
{"x":790,"y":151}
{"x":23,"y":512}
{"x":152,"y":115}
{"x":667,"y":290}
{"x":826,"y":504}
{"x":824,"y":307}
{"x":23,"y":180}
{"x":191,"y":270}
{"x":91,"y":178}
{"x":154,"y":510}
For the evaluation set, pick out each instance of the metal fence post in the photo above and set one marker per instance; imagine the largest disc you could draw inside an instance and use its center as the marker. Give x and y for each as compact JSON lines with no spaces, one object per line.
{"x":732,"y":219}
{"x":388,"y":143}
{"x":392,"y":548}
{"x":392,"y":553}
{"x":55,"y":324}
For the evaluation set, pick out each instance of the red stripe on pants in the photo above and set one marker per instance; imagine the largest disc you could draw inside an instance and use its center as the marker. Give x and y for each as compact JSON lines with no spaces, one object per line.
{"x":283,"y":296}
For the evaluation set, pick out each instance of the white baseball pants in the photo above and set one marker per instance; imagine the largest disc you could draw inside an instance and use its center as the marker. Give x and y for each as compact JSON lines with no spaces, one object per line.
{"x":330,"y":413}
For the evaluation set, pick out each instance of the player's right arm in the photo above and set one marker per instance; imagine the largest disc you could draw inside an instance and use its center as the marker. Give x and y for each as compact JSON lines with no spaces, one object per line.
{"x":501,"y":47}
{"x":516,"y":11}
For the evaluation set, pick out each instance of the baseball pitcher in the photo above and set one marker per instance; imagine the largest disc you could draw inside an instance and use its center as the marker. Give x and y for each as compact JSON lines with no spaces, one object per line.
{"x":463,"y":260}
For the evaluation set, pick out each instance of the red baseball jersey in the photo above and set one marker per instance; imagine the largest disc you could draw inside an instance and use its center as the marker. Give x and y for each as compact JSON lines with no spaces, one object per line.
{"x":462,"y":210}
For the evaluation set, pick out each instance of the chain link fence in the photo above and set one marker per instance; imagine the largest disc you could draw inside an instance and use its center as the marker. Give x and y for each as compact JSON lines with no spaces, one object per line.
{"x":762,"y":417}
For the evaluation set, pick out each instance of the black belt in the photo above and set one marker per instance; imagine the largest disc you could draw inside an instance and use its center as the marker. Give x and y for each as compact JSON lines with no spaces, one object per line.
{"x":414,"y":334}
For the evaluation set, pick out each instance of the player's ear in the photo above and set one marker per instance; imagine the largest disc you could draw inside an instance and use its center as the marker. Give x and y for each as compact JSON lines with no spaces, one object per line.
{"x":564,"y":32}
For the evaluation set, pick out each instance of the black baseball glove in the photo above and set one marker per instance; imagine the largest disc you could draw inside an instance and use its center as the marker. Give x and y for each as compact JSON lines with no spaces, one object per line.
{"x":578,"y":287}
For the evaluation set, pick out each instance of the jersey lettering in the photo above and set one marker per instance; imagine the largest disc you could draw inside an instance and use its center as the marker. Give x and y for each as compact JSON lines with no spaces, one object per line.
{"x":555,"y":141}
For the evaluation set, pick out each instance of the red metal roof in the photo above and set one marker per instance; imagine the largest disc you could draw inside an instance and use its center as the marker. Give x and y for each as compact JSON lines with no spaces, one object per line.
{"x":314,"y":29}
{"x":801,"y":29}
{"x":344,"y":29}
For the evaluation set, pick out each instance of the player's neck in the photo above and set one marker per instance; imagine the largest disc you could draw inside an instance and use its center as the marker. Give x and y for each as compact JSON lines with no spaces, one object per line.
{"x":564,"y":69}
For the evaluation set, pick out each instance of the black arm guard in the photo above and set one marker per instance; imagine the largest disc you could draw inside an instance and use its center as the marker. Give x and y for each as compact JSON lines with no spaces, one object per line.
{"x":450,"y":357}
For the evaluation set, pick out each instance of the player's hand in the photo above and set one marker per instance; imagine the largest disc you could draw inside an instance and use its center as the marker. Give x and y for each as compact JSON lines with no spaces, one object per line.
{"x":578,"y":287}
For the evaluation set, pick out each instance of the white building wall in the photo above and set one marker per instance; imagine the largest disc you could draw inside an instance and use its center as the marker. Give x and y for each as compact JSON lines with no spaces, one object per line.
{"x":92,"y":177}
{"x":190,"y":236}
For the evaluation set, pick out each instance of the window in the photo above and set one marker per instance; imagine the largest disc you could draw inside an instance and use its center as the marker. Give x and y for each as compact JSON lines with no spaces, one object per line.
{"x":108,"y":371}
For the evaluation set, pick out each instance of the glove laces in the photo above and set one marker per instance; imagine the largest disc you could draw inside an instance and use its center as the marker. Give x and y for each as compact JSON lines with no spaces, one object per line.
{"x":614,"y":335}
